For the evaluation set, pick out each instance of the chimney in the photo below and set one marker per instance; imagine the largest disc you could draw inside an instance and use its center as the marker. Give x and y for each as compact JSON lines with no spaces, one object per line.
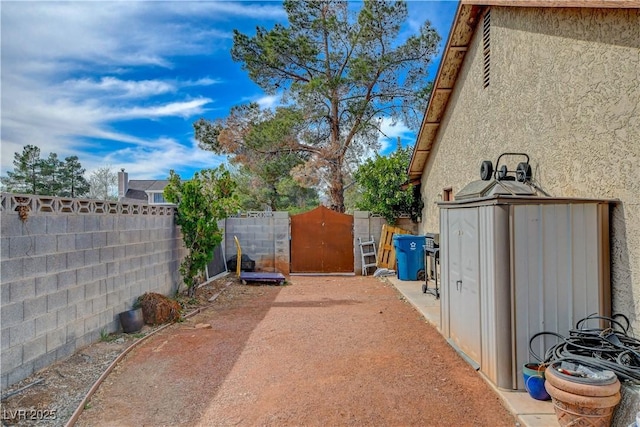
{"x":123,"y":184}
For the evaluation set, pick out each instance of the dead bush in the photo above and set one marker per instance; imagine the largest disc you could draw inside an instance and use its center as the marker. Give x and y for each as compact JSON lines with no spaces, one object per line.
{"x":158,"y":309}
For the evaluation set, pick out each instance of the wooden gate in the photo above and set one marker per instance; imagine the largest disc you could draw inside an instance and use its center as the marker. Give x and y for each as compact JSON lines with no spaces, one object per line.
{"x":322,"y":242}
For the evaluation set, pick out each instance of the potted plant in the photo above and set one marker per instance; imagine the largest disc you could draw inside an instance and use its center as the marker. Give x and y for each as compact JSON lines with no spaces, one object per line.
{"x":534,"y":378}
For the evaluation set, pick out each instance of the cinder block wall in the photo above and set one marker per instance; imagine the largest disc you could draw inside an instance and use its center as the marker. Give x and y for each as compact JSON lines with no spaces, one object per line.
{"x":73,"y":265}
{"x":264,"y":238}
{"x":70,"y":268}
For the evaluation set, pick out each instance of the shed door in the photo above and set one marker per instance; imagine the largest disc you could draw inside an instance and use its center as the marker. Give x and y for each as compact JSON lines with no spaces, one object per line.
{"x":464,"y":290}
{"x":322,"y":242}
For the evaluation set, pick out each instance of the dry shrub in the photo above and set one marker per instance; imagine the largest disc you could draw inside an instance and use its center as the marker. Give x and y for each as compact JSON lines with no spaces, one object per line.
{"x":158,"y":309}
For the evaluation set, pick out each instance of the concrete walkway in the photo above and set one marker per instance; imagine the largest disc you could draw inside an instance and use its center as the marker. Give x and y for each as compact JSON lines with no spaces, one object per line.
{"x":530,"y":412}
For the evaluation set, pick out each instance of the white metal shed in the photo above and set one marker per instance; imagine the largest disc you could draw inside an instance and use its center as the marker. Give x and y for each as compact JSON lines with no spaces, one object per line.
{"x":516,"y":265}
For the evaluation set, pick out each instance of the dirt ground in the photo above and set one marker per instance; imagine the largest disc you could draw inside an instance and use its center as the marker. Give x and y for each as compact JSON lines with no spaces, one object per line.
{"x":319,"y":351}
{"x":50,"y":396}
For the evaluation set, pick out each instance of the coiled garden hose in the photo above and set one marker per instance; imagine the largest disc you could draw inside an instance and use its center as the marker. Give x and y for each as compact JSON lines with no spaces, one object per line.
{"x":611,"y":348}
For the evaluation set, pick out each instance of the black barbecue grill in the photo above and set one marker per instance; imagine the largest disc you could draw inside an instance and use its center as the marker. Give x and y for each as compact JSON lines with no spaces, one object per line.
{"x":431,"y":263}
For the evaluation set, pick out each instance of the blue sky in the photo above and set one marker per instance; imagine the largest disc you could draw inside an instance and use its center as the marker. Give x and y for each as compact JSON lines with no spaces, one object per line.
{"x":119,"y":84}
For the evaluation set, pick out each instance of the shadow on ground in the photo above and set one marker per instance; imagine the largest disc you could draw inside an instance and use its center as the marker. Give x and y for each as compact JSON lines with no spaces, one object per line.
{"x":181,"y":358}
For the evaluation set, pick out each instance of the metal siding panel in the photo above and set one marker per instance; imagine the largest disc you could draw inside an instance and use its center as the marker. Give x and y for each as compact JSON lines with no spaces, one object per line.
{"x":604,"y":260}
{"x":555,"y":295}
{"x":591,"y":260}
{"x":560,"y":249}
{"x":519,"y":275}
{"x":556,"y":272}
{"x":555,"y":289}
{"x":529,"y":277}
{"x":495,"y":295}
{"x":488,"y":317}
{"x":338,"y":243}
{"x":307,"y":246}
{"x":585,"y":261}
{"x":535,"y":289}
{"x":469,"y":297}
{"x":444,"y":270}
{"x":522,"y":245}
{"x":502,"y":293}
{"x":549,"y":273}
{"x":525,"y":276}
{"x":579,"y":243}
{"x":456,"y":267}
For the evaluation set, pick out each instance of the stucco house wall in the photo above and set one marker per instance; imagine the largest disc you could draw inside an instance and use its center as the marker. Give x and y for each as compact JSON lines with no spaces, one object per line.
{"x":565,"y":89}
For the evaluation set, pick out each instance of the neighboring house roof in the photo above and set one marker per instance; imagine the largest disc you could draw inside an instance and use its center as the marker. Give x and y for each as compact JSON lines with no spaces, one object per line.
{"x":151,"y":185}
{"x":462,"y":30}
{"x":138,"y":189}
{"x":136,"y":196}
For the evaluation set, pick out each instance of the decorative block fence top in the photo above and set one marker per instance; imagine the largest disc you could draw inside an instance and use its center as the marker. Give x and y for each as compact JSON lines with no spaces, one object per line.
{"x":10,"y":202}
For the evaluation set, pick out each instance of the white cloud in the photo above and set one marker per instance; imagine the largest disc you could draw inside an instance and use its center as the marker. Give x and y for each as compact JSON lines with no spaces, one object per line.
{"x":64,"y":66}
{"x":268,"y":101}
{"x":115,"y":87}
{"x":154,"y":160}
{"x":126,"y":33}
{"x":70,"y":78}
{"x":205,"y":81}
{"x":390,"y":133}
{"x":174,"y":109}
{"x":118,"y":88}
{"x":226,"y":9}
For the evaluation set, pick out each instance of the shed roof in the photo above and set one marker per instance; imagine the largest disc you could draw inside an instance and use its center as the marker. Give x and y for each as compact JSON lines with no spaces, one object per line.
{"x":462,"y":30}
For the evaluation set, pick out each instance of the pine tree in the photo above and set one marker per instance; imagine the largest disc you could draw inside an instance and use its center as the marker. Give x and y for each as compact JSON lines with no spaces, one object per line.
{"x":26,"y":175}
{"x":47,"y":177}
{"x":50,"y":182}
{"x":343,"y":68}
{"x":74,"y":183}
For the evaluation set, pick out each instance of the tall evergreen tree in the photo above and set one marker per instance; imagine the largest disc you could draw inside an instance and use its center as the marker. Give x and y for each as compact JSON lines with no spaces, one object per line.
{"x":343,"y":69}
{"x":51,"y":180}
{"x":74,"y":183}
{"x":26,"y":175}
{"x":47,"y":177}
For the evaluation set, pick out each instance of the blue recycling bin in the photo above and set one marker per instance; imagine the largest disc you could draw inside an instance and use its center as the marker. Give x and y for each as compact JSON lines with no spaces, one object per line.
{"x":409,"y":255}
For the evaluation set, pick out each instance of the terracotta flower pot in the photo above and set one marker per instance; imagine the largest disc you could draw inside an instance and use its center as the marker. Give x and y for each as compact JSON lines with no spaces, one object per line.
{"x":573,"y":385}
{"x":582,"y":402}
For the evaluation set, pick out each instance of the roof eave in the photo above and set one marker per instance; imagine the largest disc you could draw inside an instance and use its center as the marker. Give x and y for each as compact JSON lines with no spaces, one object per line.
{"x":462,"y":29}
